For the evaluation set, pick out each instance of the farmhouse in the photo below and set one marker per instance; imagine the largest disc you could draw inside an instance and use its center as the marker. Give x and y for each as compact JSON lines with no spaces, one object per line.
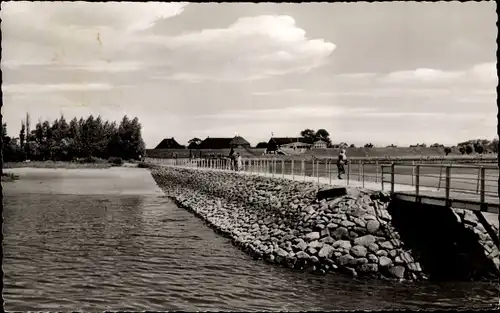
{"x":169,"y":143}
{"x":276,"y":143}
{"x":320,"y":144}
{"x":224,"y":143}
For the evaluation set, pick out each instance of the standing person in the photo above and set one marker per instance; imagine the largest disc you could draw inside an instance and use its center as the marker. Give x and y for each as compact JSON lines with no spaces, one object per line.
{"x":239,"y":162}
{"x":341,"y":162}
{"x":232,"y":160}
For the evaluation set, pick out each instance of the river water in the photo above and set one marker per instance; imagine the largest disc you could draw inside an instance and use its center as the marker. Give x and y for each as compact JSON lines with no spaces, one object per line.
{"x":131,"y":252}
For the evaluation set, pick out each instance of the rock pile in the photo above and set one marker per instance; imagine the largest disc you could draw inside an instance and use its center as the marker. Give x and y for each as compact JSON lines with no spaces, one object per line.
{"x":282,"y":222}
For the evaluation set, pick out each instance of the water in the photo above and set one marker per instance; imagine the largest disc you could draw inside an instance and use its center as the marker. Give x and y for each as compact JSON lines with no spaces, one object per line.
{"x":83,"y":252}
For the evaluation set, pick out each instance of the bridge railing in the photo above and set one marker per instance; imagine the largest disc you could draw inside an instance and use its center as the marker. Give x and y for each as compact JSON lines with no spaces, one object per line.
{"x":477,"y":183}
{"x":479,"y":180}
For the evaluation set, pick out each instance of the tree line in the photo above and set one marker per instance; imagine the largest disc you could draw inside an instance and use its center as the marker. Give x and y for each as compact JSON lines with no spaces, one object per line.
{"x":90,"y":137}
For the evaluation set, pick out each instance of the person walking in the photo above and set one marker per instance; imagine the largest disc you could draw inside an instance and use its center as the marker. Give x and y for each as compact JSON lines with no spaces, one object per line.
{"x":341,"y":162}
{"x":239,"y":162}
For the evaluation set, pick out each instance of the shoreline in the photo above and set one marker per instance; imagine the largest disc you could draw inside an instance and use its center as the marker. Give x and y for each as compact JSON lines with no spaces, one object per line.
{"x":283,"y":223}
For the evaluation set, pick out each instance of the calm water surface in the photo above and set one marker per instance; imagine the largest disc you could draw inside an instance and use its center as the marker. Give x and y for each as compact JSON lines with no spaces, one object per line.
{"x":78,"y":252}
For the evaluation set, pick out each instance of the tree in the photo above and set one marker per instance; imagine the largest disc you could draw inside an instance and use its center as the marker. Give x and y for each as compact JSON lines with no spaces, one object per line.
{"x":352,"y":146}
{"x":261,"y":145}
{"x":478,"y":148}
{"x":308,"y":134}
{"x":322,"y":134}
{"x":447,"y":150}
{"x":369,"y":145}
{"x":469,"y":149}
{"x":461,"y":149}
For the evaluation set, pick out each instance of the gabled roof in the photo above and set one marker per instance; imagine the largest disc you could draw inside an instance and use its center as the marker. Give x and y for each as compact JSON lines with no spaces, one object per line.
{"x":287,"y":140}
{"x":216,"y":143}
{"x":238,"y":140}
{"x":169,"y":143}
{"x":320,"y":141}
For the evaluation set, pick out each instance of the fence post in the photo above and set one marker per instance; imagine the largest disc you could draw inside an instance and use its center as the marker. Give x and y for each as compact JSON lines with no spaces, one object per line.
{"x":478,"y":178}
{"x":363,"y":172}
{"x":412,"y":171}
{"x":483,"y":187}
{"x":448,"y":184}
{"x":303,"y":169}
{"x":382,"y":175}
{"x":417,"y":178}
{"x":376,"y":171}
{"x":293,"y":173}
{"x":317,"y":171}
{"x":348,"y":172}
{"x":330,"y":170}
{"x":282,"y":168}
{"x":359,"y":170}
{"x":392,"y":177}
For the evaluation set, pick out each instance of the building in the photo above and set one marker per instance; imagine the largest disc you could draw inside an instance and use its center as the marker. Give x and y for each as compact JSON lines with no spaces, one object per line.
{"x":277,"y":143}
{"x":224,"y":143}
{"x":169,"y":143}
{"x":320,"y":144}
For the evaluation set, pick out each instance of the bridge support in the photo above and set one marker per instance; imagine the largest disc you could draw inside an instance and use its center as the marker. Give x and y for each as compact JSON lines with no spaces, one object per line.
{"x":488,"y":228}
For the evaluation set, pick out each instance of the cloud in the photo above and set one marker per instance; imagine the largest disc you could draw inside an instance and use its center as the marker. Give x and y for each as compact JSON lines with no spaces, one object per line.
{"x":42,"y":88}
{"x":249,"y":49}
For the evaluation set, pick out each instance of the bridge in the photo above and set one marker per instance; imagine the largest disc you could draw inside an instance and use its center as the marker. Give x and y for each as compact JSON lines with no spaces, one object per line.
{"x":470,"y":187}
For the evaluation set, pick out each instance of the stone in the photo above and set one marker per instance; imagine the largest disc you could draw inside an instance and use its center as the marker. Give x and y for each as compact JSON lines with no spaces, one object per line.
{"x":314,"y":244}
{"x":368,"y":268}
{"x":358,"y":261}
{"x":384,"y":261}
{"x":372,"y":258}
{"x":373,"y":247}
{"x":281,"y":252}
{"x":331,"y":193}
{"x":386,"y":245}
{"x":340,"y":233}
{"x":353,"y":235}
{"x":301,"y":245}
{"x":324,"y":232}
{"x":358,"y":251}
{"x":302,"y":255}
{"x":347,"y":224}
{"x":365,"y":240}
{"x":415,"y":267}
{"x":311,"y":251}
{"x":343,"y":244}
{"x":327,"y":240}
{"x":397,"y":271}
{"x":368,"y":217}
{"x":326,"y":251}
{"x":344,"y":259}
{"x":372,"y":226}
{"x":381,"y":253}
{"x":406,"y":257}
{"x":393,"y":253}
{"x":313,"y":236}
{"x":398,"y":260}
{"x":332,"y":226}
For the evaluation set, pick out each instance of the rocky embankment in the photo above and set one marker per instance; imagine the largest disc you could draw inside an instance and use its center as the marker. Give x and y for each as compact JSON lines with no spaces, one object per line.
{"x":283,"y":222}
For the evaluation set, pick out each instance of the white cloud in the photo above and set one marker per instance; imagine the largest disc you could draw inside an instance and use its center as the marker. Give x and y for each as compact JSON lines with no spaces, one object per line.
{"x":251,"y":48}
{"x":41,"y":88}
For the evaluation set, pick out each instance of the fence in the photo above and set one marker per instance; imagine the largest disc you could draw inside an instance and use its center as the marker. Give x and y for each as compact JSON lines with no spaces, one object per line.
{"x":479,"y":180}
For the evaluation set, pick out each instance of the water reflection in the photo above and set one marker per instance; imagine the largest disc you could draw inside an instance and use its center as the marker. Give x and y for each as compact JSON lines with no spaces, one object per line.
{"x":70,"y":252}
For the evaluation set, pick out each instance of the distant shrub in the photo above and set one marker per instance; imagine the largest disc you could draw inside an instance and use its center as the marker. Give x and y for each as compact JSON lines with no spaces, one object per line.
{"x":469,"y":149}
{"x":447,"y":150}
{"x":143,"y":165}
{"x":116,"y":161}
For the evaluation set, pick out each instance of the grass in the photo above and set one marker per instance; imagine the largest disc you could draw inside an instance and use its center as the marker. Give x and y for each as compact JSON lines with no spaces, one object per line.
{"x":9,"y":177}
{"x":55,"y":164}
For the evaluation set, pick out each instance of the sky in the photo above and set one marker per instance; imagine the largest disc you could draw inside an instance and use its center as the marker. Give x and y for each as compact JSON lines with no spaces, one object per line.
{"x":386,"y":73}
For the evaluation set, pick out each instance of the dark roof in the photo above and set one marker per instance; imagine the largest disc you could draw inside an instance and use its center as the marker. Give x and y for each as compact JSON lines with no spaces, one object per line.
{"x":169,"y":143}
{"x":193,"y":145}
{"x":223,"y":143}
{"x":238,"y":140}
{"x":216,"y":143}
{"x":286,"y":140}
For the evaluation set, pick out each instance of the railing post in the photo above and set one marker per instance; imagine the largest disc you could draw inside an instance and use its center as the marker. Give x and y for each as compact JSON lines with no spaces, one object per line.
{"x":392,"y":176}
{"x":348,"y":172}
{"x":303,"y":169}
{"x":483,"y":188}
{"x":382,"y":175}
{"x":293,"y":173}
{"x":282,"y":168}
{"x":359,"y":170}
{"x":417,"y":178}
{"x":412,"y":171}
{"x":478,"y":178}
{"x":330,"y":170}
{"x":317,"y":171}
{"x":363,"y":172}
{"x":448,"y":184}
{"x":376,"y":171}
